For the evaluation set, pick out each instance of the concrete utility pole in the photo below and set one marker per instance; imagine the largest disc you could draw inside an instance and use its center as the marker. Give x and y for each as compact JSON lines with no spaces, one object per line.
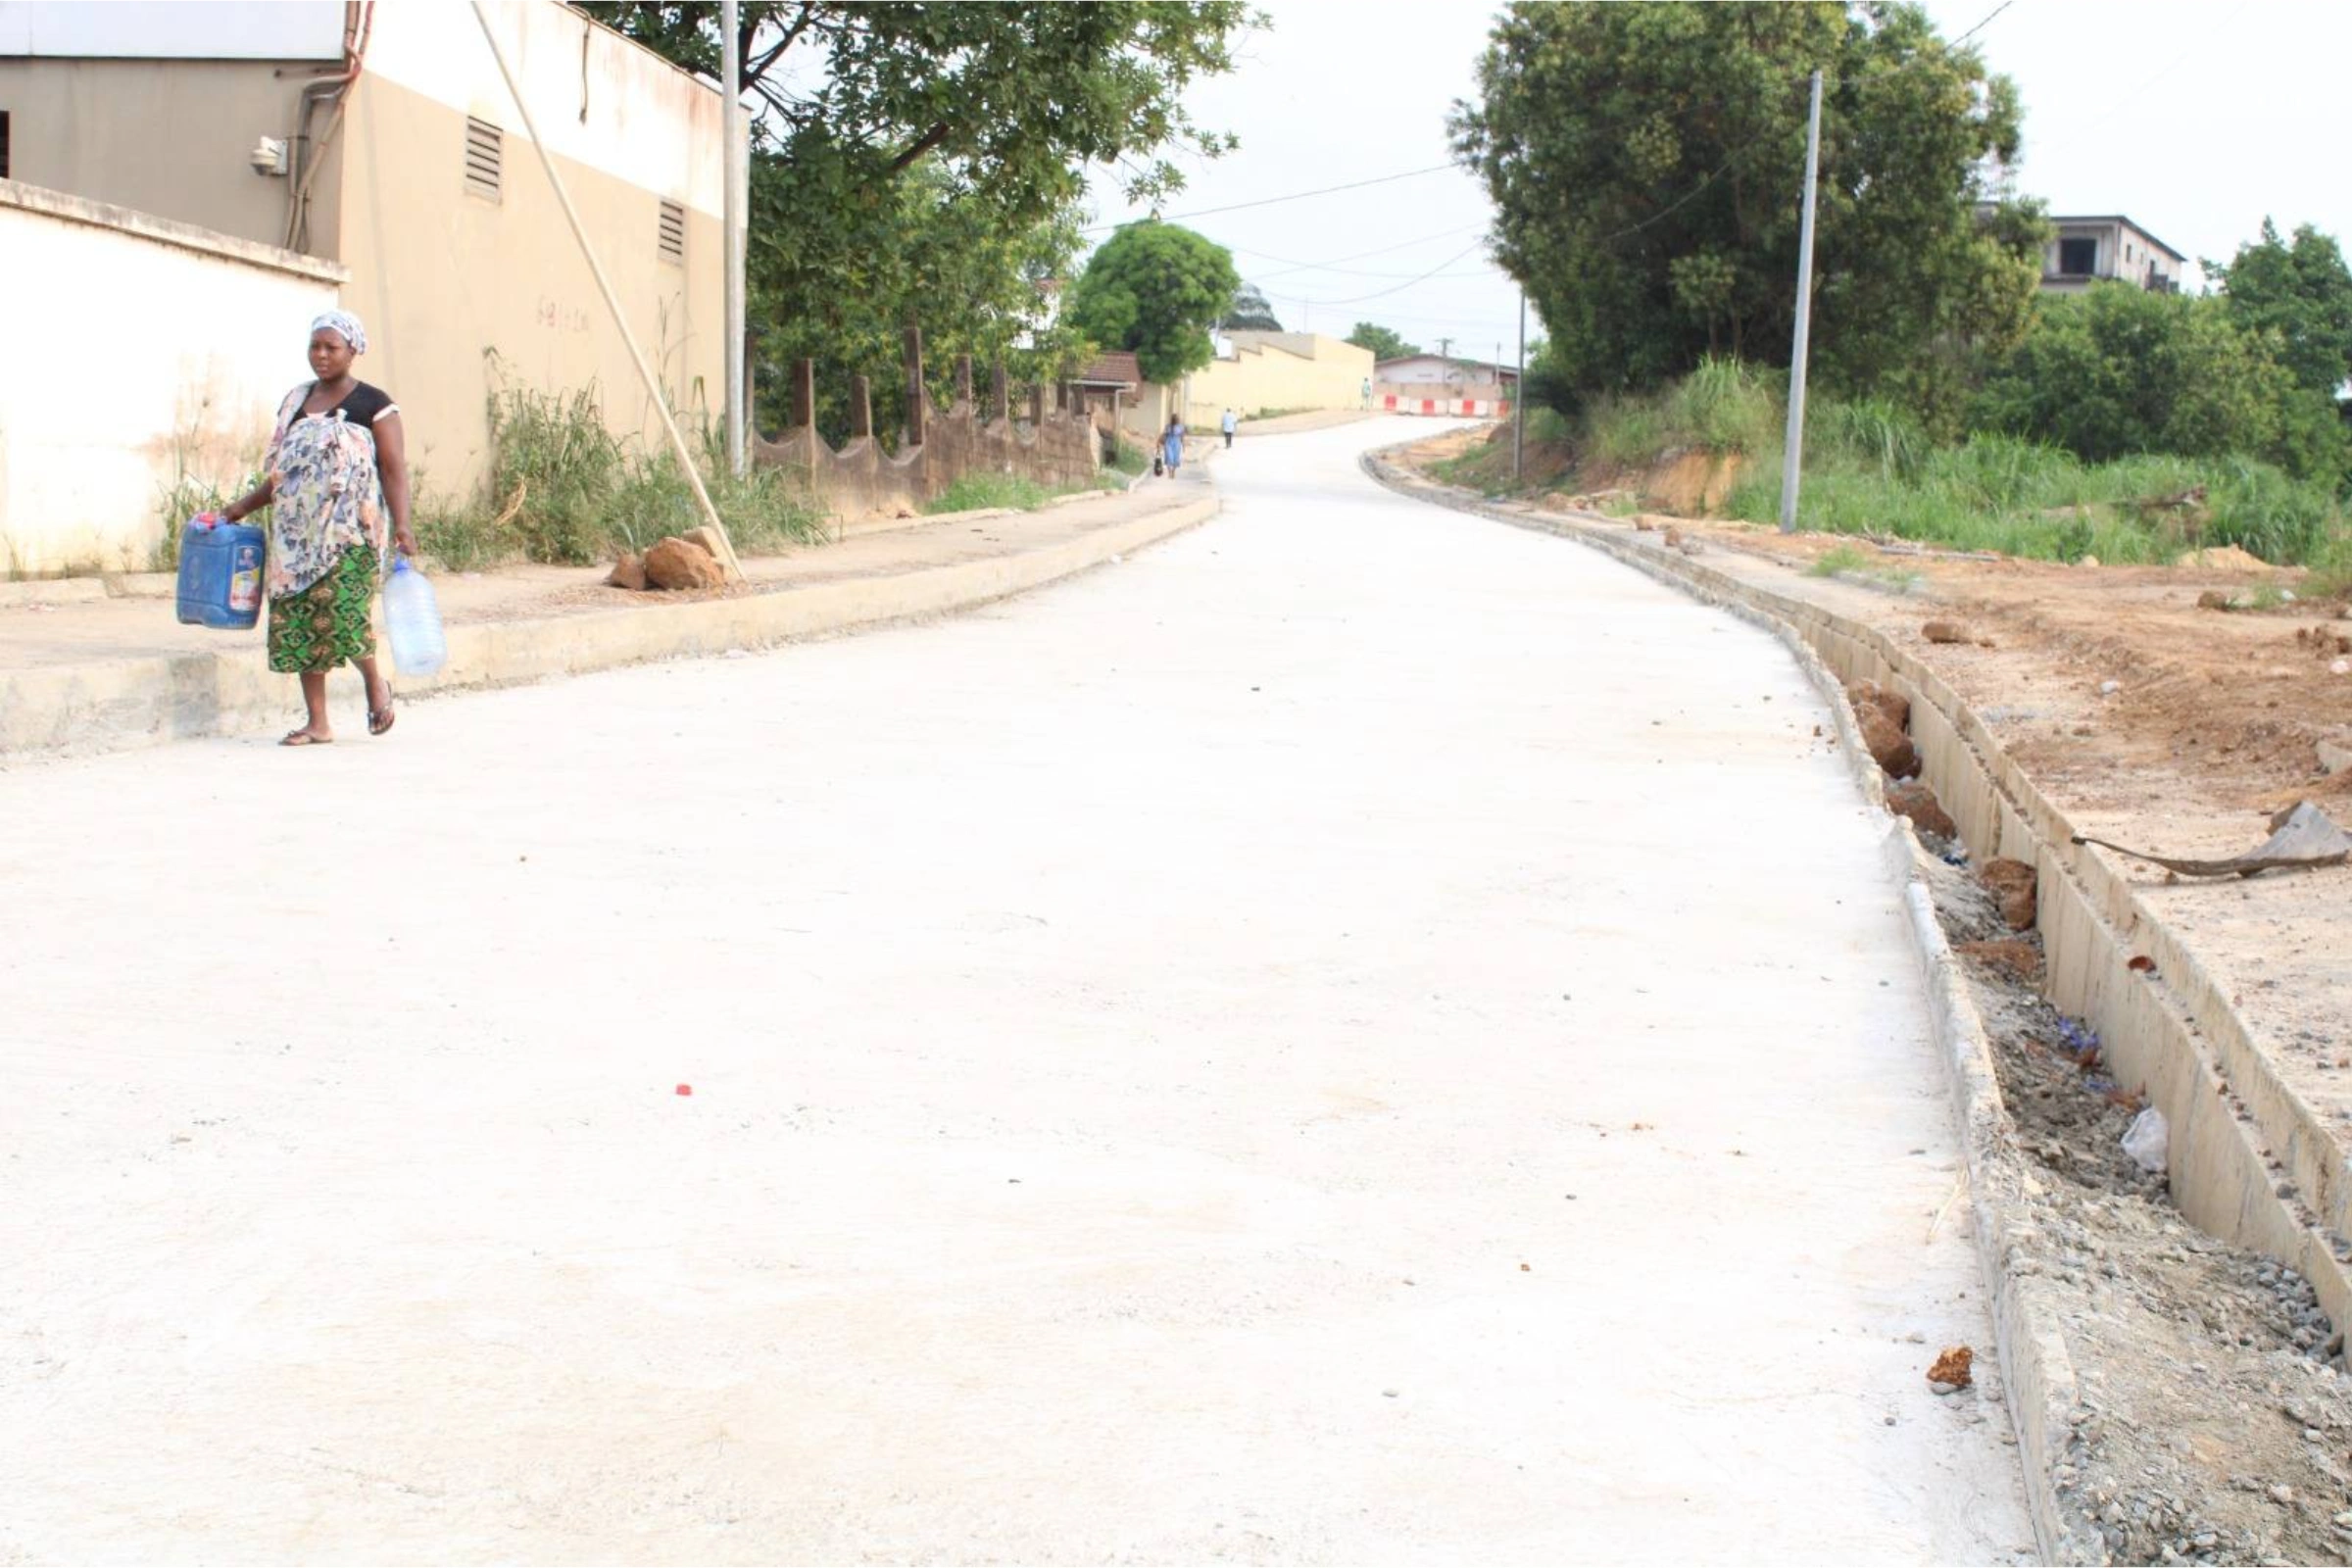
{"x":1519,"y":399}
{"x":1445,"y":348}
{"x":736,"y":176}
{"x":1792,"y":460}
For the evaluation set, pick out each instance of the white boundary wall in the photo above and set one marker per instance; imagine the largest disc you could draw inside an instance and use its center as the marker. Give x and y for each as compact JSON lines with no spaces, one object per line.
{"x":157,"y":349}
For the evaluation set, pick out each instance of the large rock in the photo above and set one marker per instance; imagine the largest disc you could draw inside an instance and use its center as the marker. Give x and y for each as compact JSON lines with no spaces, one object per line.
{"x":1893,"y":703}
{"x":2013,"y":883}
{"x":1947,"y":631}
{"x":1888,"y":746}
{"x":681,"y":564}
{"x":708,"y":537}
{"x":1918,"y":802}
{"x":629,"y":572}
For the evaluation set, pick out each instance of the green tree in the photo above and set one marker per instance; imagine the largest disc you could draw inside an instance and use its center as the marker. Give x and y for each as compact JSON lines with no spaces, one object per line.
{"x":1157,"y":289}
{"x":2302,"y":291}
{"x":1384,"y":343}
{"x":2117,"y":370}
{"x":1644,"y":163}
{"x":919,"y":164}
{"x":1251,"y":312}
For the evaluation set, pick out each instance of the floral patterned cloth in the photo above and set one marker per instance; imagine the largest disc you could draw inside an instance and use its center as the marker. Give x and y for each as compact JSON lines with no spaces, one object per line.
{"x":325,"y":495}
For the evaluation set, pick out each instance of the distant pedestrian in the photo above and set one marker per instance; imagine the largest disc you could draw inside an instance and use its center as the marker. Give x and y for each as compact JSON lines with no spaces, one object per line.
{"x":1367,"y":391}
{"x":337,"y":472}
{"x":1171,"y":443}
{"x":1229,"y":424}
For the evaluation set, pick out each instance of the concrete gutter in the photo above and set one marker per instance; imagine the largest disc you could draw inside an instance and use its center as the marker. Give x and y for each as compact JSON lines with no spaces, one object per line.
{"x":116,"y":705}
{"x":2239,"y":1135}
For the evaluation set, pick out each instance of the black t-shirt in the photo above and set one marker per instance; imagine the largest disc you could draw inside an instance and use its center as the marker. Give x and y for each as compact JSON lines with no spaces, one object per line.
{"x":361,"y":406}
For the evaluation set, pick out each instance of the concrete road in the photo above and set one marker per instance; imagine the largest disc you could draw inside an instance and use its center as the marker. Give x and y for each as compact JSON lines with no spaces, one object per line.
{"x":1359,"y":1035}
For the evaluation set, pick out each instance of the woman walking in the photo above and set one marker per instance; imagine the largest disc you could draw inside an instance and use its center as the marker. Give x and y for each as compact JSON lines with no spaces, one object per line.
{"x":1171,"y":444}
{"x":337,"y":467}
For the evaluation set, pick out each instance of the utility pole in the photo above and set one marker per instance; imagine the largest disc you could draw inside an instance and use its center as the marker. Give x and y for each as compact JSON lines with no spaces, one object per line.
{"x":1792,"y":460}
{"x":737,"y":175}
{"x":1519,"y":399}
{"x":1445,"y":348}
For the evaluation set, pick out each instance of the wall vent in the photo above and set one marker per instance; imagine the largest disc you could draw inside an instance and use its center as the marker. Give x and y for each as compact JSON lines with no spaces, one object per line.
{"x":485,"y":157}
{"x":671,"y":237}
{"x":4,"y":174}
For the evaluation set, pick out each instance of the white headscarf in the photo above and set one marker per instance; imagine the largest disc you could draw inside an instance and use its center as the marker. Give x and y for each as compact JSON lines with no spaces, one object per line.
{"x":345,"y":326}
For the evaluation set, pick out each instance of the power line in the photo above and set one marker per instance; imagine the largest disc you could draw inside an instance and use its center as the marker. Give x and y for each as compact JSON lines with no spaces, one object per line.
{"x":1358,"y":299}
{"x":1385,"y":250}
{"x":1271,"y":201}
{"x":1980,"y":26}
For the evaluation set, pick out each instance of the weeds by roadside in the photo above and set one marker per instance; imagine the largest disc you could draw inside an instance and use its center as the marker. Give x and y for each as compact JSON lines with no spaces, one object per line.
{"x":978,"y":492}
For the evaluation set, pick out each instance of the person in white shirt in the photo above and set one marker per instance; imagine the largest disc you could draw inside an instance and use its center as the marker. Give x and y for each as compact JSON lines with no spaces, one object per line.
{"x":1228,"y":424}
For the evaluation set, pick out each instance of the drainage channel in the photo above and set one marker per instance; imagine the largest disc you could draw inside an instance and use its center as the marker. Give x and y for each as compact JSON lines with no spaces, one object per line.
{"x":2167,"y":1336}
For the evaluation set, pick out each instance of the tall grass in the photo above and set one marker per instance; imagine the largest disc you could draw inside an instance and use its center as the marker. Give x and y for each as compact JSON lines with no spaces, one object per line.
{"x":978,"y":492}
{"x":1870,"y":468}
{"x":562,"y":488}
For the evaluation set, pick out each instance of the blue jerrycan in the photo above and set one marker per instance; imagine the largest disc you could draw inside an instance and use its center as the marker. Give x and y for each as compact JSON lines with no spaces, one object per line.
{"x":220,"y":573}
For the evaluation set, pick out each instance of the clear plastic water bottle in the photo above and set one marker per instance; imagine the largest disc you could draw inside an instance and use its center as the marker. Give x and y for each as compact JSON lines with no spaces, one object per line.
{"x":412,"y":622}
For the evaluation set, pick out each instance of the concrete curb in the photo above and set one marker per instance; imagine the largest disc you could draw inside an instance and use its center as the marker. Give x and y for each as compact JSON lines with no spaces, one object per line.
{"x":2037,"y":1372}
{"x":122,"y":703}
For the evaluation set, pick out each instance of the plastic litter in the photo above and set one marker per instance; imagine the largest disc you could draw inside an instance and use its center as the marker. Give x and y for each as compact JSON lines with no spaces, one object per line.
{"x":2147,"y":1140}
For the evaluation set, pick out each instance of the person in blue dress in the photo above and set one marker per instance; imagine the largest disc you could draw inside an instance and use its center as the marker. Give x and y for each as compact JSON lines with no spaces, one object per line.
{"x":1171,"y":443}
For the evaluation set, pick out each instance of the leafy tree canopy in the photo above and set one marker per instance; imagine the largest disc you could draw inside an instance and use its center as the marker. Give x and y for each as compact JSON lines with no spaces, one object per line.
{"x":2302,"y":291}
{"x":1157,"y":289}
{"x":1646,"y":164}
{"x":1249,"y":312}
{"x":921,"y":163}
{"x":1384,"y":343}
{"x":2117,"y":370}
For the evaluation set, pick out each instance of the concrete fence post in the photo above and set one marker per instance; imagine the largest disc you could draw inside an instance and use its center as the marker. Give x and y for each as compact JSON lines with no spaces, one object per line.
{"x":964,"y":380}
{"x":999,"y":394}
{"x":916,"y":401}
{"x":804,"y":394}
{"x":1037,"y":403}
{"x":862,"y":408}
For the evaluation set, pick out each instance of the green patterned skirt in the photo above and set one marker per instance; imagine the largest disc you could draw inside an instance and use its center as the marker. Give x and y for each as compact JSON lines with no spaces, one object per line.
{"x":329,"y":621}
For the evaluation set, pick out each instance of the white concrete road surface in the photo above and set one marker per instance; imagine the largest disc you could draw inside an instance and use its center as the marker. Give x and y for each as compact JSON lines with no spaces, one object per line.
{"x":1361,"y":1035}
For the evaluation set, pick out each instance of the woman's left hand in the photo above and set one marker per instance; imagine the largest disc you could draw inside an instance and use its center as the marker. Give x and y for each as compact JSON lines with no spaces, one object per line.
{"x":404,"y":541}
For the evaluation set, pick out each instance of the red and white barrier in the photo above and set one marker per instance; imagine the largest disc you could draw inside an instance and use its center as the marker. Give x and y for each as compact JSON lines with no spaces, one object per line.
{"x":1448,"y":408}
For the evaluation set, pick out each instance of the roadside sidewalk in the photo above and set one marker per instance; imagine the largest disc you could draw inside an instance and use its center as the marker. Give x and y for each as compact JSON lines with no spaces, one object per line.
{"x":81,"y":673}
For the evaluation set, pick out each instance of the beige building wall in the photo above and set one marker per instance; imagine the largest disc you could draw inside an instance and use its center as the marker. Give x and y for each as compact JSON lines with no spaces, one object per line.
{"x":460,"y":290}
{"x":164,"y":359}
{"x":172,"y":137}
{"x":1277,"y":371}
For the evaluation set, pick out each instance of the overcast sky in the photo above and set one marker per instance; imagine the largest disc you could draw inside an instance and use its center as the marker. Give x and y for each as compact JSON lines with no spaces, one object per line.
{"x":2194,"y":119}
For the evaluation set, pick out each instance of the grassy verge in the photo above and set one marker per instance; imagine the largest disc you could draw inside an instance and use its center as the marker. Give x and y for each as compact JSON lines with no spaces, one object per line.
{"x":979,"y":492}
{"x":1868,"y":469}
{"x":565,"y":489}
{"x":1128,"y":458}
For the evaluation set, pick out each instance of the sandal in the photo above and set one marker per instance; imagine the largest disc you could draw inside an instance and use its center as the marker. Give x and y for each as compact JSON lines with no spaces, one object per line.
{"x":380,"y":721}
{"x":303,"y":737}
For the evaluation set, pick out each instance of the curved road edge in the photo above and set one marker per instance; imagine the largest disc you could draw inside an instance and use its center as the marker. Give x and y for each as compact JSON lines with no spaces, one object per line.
{"x":117,"y":705}
{"x":2037,"y":1372}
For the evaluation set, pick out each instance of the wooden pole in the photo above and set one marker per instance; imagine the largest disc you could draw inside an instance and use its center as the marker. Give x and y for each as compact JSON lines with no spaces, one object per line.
{"x":644,"y":371}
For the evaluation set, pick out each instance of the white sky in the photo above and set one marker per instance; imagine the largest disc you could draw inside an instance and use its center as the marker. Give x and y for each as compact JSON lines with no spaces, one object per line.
{"x":2194,"y":119}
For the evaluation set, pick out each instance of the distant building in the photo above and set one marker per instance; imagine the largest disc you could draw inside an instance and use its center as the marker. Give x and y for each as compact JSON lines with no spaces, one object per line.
{"x":2082,"y":251}
{"x":381,"y":136}
{"x":1423,"y":376}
